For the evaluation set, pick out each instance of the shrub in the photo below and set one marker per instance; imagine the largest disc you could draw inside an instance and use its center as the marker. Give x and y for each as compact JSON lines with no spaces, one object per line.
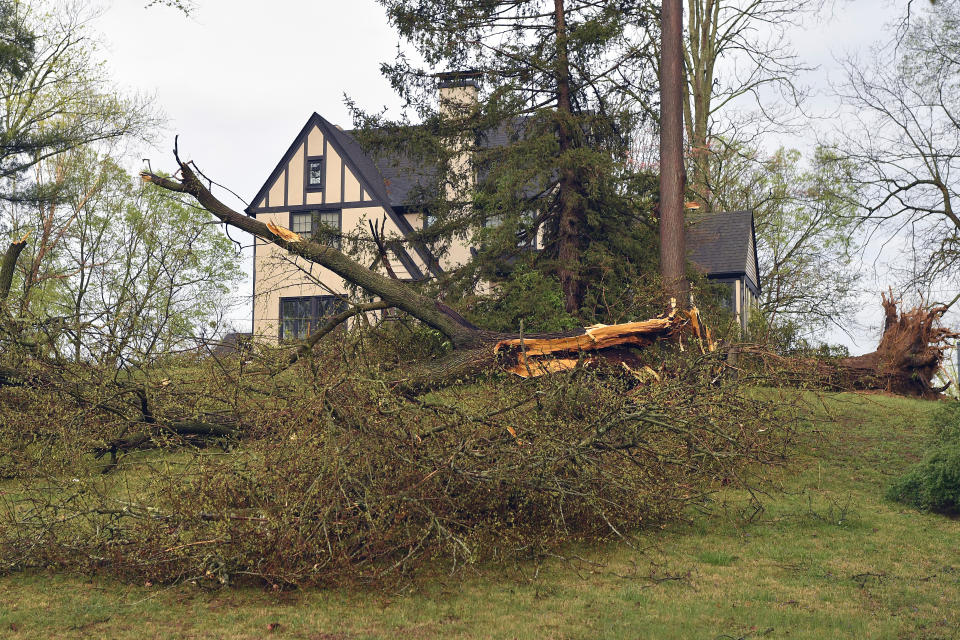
{"x":934,"y":484}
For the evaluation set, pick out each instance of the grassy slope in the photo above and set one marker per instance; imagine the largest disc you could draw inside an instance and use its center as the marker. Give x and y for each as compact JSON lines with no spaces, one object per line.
{"x":827,"y":558}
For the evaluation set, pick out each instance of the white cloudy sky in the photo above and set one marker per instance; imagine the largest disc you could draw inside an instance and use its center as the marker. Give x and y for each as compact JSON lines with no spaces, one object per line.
{"x":238,"y":78}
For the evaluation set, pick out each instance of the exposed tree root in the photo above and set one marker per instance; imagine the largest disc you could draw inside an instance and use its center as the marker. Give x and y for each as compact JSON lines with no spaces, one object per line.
{"x":905,"y":362}
{"x":909,"y":355}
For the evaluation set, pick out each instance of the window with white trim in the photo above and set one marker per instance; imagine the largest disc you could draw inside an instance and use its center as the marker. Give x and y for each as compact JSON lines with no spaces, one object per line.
{"x":324,"y":226}
{"x":315,"y":174}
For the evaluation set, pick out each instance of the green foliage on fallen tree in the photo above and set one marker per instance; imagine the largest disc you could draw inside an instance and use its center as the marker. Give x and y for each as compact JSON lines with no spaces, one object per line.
{"x":338,"y":478}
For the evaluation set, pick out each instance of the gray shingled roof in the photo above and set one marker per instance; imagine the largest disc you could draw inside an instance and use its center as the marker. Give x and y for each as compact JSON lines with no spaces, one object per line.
{"x":719,"y":243}
{"x":369,"y":171}
{"x":401,"y":174}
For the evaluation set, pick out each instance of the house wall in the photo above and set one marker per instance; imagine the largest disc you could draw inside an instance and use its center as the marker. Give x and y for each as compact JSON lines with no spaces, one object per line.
{"x":278,"y":273}
{"x":751,"y":266}
{"x":281,"y":274}
{"x":741,"y":301}
{"x":457,"y":254}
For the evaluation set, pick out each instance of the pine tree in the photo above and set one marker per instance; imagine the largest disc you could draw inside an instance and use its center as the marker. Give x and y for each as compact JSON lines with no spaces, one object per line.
{"x":539,"y":158}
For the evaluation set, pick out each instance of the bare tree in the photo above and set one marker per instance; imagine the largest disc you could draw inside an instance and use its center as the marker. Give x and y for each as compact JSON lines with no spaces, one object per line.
{"x":905,"y":139}
{"x":736,"y":52}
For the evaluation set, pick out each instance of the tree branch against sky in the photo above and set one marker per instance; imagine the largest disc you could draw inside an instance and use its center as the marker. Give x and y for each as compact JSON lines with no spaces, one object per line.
{"x":905,"y":104}
{"x":742,"y":75}
{"x":806,"y":240}
{"x":63,"y":99}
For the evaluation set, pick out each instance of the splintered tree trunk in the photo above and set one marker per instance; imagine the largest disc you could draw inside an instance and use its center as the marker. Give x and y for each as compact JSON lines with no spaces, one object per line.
{"x":909,"y":355}
{"x":672,"y":240}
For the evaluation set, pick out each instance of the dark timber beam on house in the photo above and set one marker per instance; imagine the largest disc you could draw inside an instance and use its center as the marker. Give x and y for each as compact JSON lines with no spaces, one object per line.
{"x":371,"y":182}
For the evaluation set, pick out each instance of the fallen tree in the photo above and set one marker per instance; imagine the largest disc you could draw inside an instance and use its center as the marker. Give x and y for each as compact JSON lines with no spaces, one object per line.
{"x":909,"y":355}
{"x":474,"y":350}
{"x":906,"y":360}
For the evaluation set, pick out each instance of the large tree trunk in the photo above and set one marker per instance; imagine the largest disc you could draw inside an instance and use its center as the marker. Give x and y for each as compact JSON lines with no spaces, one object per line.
{"x":672,"y":239}
{"x":906,"y":361}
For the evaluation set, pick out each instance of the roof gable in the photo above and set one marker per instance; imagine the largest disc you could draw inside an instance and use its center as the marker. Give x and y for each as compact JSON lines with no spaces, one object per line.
{"x":362,"y":168}
{"x":724,"y":243}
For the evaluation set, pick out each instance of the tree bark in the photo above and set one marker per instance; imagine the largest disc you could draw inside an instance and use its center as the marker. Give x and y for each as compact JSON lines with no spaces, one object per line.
{"x":8,"y":266}
{"x":672,"y":178}
{"x":395,"y":293}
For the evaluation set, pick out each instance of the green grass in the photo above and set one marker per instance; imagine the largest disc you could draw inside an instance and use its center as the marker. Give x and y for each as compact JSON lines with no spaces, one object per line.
{"x":827,"y":557}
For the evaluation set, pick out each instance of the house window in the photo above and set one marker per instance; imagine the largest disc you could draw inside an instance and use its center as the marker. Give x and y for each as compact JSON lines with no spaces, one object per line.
{"x":324,"y":226}
{"x":315,"y":174}
{"x":526,"y":221}
{"x":299,"y":317}
{"x":302,"y":223}
{"x":492,"y":222}
{"x":729,"y":300}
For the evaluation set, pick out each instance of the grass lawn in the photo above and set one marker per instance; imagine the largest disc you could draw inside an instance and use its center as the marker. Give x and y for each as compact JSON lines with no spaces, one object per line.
{"x":826,"y":558}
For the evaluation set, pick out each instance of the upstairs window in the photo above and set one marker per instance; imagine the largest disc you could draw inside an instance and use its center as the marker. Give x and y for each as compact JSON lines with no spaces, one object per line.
{"x":526,"y":222}
{"x":299,"y":317}
{"x":324,"y":226}
{"x":315,"y":174}
{"x":302,"y":223}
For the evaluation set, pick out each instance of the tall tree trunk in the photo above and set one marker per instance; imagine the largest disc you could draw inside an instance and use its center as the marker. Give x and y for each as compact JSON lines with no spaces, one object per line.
{"x":572,"y":214}
{"x":672,"y":178}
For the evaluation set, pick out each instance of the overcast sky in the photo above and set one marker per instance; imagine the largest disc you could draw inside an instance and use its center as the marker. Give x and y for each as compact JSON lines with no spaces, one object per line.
{"x":238,"y":78}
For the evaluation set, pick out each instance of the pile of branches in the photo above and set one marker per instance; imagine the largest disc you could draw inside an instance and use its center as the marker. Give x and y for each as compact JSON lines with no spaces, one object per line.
{"x":352,"y":481}
{"x":57,"y":415}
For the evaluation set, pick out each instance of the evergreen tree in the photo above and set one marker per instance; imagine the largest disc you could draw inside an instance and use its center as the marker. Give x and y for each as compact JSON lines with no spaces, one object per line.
{"x":539,"y":159}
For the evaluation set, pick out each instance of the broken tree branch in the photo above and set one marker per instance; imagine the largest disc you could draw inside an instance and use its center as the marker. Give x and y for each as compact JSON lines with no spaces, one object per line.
{"x":332,"y":323}
{"x":395,"y":292}
{"x":9,"y":264}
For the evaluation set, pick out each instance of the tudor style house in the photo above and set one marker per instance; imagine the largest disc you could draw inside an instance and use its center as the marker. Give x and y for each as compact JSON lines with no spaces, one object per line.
{"x":326,"y":185}
{"x":323,"y":183}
